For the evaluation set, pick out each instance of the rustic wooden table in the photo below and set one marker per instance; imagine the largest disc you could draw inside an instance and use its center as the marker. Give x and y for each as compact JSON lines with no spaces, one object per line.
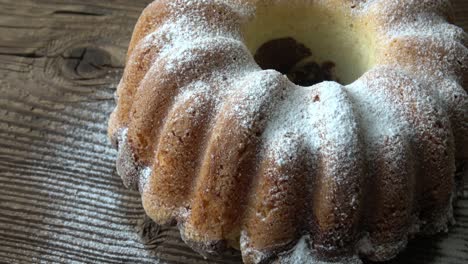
{"x":60,"y":198}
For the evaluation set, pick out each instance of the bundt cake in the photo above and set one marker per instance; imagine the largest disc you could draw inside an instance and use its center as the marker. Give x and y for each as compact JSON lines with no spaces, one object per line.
{"x":295,"y":130}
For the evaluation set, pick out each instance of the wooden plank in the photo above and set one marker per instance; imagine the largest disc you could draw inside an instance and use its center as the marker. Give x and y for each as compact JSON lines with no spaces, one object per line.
{"x":61,"y":200}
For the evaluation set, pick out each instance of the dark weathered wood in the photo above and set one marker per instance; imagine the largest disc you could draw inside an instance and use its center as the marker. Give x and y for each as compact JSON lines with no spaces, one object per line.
{"x":60,"y":198}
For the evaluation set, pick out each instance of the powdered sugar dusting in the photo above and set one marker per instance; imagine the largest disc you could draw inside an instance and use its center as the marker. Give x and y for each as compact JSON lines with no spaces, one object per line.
{"x":302,"y":253}
{"x":254,"y":90}
{"x":327,"y":119}
{"x":305,"y":112}
{"x":425,"y":27}
{"x":378,"y":116}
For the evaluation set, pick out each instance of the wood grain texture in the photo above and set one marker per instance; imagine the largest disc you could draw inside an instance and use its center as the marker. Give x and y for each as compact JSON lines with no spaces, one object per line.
{"x":60,"y":198}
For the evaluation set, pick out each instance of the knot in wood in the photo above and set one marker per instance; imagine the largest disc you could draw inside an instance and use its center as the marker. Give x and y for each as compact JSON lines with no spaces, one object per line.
{"x":88,"y":62}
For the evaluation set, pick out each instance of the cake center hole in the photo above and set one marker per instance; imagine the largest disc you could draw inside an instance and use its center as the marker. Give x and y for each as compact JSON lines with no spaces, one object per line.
{"x":295,"y":60}
{"x":311,"y":41}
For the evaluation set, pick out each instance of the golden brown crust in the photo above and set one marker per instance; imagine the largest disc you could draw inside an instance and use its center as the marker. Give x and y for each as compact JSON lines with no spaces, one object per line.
{"x":391,"y":198}
{"x":177,"y":161}
{"x":228,"y":166}
{"x":436,"y":60}
{"x":155,"y":14}
{"x":432,"y":145}
{"x":142,"y":57}
{"x":152,"y":101}
{"x":277,"y":216}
